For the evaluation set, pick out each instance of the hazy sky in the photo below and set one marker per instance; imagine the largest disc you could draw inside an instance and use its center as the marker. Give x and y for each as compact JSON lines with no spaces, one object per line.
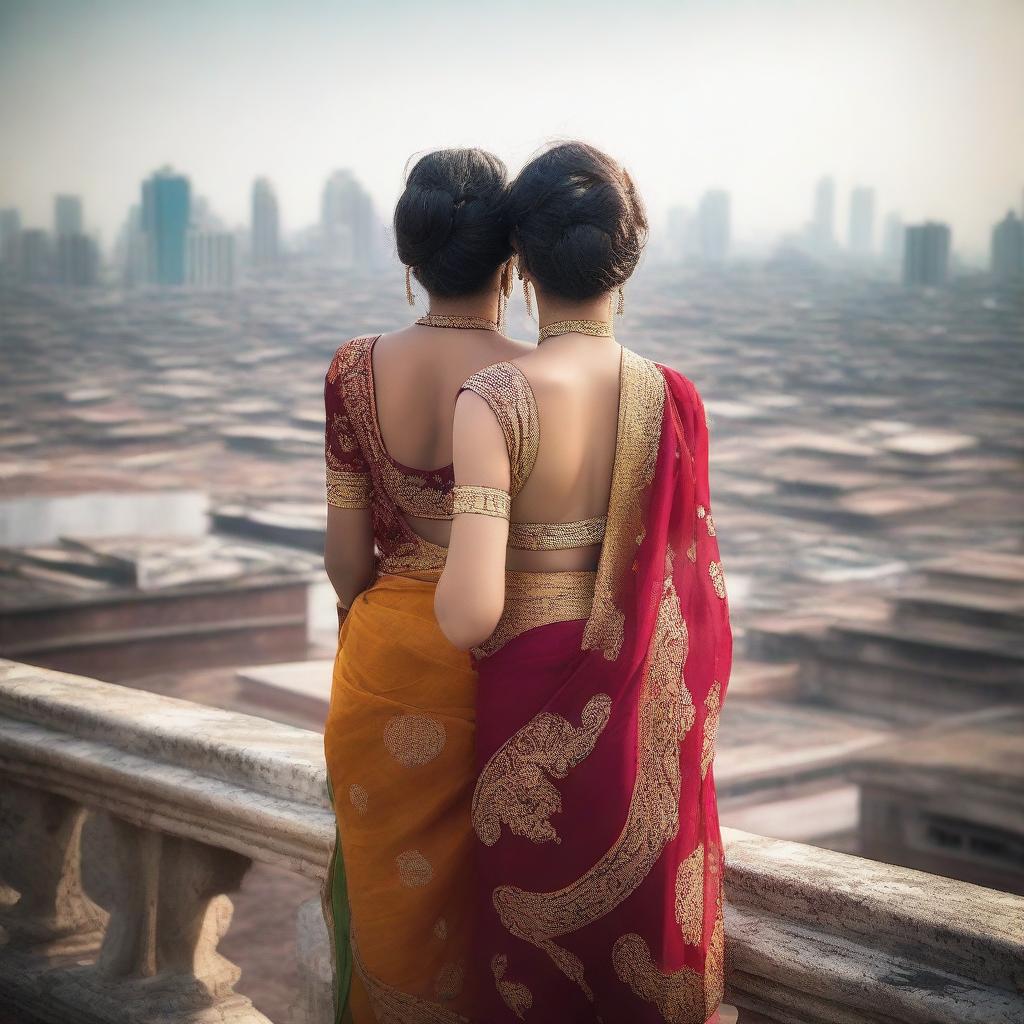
{"x":923,"y":99}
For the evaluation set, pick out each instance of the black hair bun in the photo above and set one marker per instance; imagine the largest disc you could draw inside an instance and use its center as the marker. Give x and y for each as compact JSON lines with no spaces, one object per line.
{"x":577,"y":221}
{"x":451,"y":222}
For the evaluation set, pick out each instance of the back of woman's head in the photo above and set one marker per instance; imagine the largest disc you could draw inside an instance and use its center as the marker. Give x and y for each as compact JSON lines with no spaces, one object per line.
{"x":578,"y":224}
{"x":451,"y":222}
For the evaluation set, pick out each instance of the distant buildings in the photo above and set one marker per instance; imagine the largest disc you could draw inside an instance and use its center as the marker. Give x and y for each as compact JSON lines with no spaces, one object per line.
{"x":347,"y":222}
{"x":926,"y":254}
{"x":10,"y":227}
{"x":166,"y":201}
{"x":210,"y":259}
{"x":681,"y":234}
{"x":33,"y":257}
{"x":822,"y":227}
{"x":67,"y":215}
{"x":266,"y":244}
{"x":1007,"y":261}
{"x":78,"y":260}
{"x":713,"y":226}
{"x":861,"y":237}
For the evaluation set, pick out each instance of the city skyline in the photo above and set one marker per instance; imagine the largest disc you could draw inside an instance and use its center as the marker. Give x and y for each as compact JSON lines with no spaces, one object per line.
{"x":760,"y":100}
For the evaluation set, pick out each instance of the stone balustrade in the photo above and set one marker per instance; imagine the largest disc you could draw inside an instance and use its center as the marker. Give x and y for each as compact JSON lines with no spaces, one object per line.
{"x":169,"y":802}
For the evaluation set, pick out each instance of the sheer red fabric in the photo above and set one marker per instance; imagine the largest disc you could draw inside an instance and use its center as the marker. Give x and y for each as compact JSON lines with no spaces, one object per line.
{"x":599,"y":853}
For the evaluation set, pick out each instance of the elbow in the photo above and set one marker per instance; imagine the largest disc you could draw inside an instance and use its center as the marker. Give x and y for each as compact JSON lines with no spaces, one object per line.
{"x":465,"y":625}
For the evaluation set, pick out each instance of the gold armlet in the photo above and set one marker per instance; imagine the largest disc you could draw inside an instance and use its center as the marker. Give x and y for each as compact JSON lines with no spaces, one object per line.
{"x":346,"y":489}
{"x":483,"y":501}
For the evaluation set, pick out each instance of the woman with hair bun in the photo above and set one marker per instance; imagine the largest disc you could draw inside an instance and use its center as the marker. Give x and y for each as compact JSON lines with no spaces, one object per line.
{"x":584,"y":576}
{"x":399,"y":732}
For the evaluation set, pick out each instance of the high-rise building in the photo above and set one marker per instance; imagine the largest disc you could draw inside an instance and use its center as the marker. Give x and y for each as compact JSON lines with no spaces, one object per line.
{"x":822,"y":231}
{"x":67,"y":215}
{"x":347,"y":222}
{"x":166,"y":201}
{"x":1008,"y":248}
{"x":210,"y":259}
{"x":926,"y":254}
{"x":10,"y":228}
{"x":862,"y":221}
{"x":892,"y":239}
{"x":78,"y":259}
{"x":266,"y":244}
{"x":680,"y":236}
{"x":713,"y":225}
{"x":34,"y":257}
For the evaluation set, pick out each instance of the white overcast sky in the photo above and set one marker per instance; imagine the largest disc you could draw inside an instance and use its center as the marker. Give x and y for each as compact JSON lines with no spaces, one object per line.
{"x":923,"y":99}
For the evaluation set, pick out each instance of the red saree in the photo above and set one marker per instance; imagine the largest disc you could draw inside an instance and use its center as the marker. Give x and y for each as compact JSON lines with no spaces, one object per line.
{"x":599,"y":854}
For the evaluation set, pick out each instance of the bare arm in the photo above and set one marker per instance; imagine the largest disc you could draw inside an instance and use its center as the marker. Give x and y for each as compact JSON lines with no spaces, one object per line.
{"x":348,"y":551}
{"x":470,"y":594}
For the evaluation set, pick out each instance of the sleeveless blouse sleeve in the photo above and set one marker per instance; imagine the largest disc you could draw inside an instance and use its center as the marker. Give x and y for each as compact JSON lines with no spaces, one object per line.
{"x":507,"y":392}
{"x":348,"y":478}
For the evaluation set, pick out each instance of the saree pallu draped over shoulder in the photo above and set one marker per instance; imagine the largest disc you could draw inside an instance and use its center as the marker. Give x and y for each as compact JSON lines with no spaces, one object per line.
{"x":599,"y":860}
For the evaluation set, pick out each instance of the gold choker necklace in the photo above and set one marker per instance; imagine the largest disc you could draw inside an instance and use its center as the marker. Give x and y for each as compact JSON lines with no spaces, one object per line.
{"x":595,"y":328}
{"x":474,"y":322}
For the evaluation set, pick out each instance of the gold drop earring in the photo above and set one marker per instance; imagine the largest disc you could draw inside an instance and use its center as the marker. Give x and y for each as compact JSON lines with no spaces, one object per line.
{"x":504,"y":291}
{"x":528,"y":298}
{"x":622,"y":302}
{"x":408,"y":286}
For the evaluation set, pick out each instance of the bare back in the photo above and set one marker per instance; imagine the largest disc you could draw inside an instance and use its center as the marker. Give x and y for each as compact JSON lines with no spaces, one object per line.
{"x":417,"y":372}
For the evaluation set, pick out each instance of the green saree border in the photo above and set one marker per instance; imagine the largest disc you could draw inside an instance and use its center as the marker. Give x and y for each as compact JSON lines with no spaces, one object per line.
{"x":334,"y":899}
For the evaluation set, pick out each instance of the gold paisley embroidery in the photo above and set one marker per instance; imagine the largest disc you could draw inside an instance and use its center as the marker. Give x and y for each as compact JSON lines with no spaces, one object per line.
{"x":538,"y":599}
{"x":516,"y":996}
{"x":392,"y":1006}
{"x":665,"y":715}
{"x":712,"y":712}
{"x":414,"y":739}
{"x":504,"y":387}
{"x":710,"y":523}
{"x":358,"y":797}
{"x":714,"y":962}
{"x":717,"y":575}
{"x":414,"y":869}
{"x":690,"y":896}
{"x":449,"y":981}
{"x":513,"y":789}
{"x":641,"y":405}
{"x":691,"y":551}
{"x":679,"y":996}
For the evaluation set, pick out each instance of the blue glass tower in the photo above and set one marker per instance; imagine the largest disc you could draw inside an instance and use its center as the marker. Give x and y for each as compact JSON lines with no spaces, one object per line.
{"x":166,"y":201}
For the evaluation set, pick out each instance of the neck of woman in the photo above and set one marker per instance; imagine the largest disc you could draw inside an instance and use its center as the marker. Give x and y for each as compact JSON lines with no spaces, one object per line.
{"x":483,"y":306}
{"x":552,"y":309}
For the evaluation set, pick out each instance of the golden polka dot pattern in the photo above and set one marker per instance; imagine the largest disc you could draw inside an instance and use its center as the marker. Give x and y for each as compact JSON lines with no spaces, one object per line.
{"x":414,"y":740}
{"x":414,"y":869}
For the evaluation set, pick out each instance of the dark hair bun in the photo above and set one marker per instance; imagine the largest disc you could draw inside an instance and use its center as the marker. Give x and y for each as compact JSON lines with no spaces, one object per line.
{"x":577,"y":221}
{"x":451,"y":222}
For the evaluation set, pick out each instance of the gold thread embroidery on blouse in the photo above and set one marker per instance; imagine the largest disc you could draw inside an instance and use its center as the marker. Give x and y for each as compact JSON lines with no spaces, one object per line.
{"x":392,"y":1006}
{"x":679,"y":996}
{"x":712,"y":712}
{"x":358,"y":797}
{"x":665,"y":715}
{"x":556,"y":536}
{"x":449,"y":981}
{"x":515,"y":995}
{"x":538,"y":599}
{"x":507,"y":392}
{"x":481,"y":501}
{"x":641,"y":405}
{"x":717,"y":574}
{"x":514,"y":788}
{"x":414,"y":869}
{"x":690,"y":896}
{"x":414,"y":740}
{"x":346,"y":489}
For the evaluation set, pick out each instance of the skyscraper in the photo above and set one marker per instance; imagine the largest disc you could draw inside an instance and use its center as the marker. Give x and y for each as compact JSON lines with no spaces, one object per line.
{"x":67,"y":215}
{"x":1008,"y":248}
{"x":34,"y":257}
{"x":926,"y":254}
{"x":713,"y":225}
{"x":78,"y":259}
{"x":347,"y":221}
{"x":823,"y":223}
{"x":210,"y":259}
{"x":265,"y":225}
{"x":166,"y":200}
{"x":10,"y":227}
{"x":862,"y":221}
